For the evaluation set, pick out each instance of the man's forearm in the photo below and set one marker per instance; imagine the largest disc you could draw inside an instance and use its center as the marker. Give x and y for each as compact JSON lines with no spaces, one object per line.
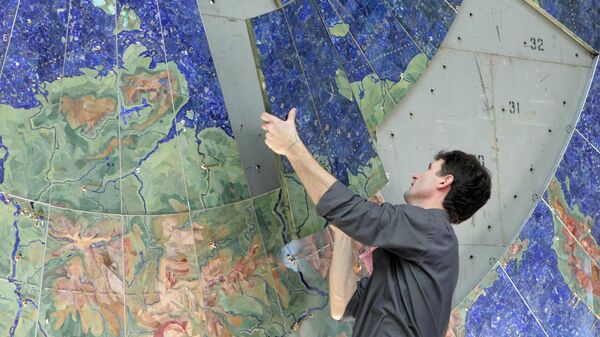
{"x":314,"y":177}
{"x":342,"y":279}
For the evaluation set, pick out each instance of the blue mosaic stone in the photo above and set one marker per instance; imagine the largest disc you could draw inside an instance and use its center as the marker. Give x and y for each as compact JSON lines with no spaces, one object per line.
{"x":500,"y":312}
{"x":150,"y":34}
{"x":540,"y":282}
{"x":186,"y":45}
{"x":285,"y":81}
{"x":355,"y":62}
{"x":388,"y":48}
{"x":339,"y":117}
{"x":579,"y":176}
{"x":589,"y":120}
{"x":36,"y":51}
{"x":426,"y":21}
{"x":7,"y":14}
{"x":91,"y":42}
{"x":581,"y":17}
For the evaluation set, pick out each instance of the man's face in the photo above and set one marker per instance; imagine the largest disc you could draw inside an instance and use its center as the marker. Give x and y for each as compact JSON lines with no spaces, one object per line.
{"x":425,"y":185}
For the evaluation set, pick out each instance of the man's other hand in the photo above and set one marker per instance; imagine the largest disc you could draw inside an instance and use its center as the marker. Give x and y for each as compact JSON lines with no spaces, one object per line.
{"x":280,"y":135}
{"x":377,"y":198}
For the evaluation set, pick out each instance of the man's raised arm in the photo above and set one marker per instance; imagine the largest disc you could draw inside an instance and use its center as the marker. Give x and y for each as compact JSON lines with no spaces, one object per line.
{"x":282,"y":137}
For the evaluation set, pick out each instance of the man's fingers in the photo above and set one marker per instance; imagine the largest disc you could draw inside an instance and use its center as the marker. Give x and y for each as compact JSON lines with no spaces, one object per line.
{"x":292,"y":115}
{"x":267,"y":117}
{"x":265,"y":126}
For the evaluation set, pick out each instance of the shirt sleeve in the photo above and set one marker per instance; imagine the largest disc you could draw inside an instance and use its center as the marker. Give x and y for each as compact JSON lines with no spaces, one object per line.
{"x":352,"y":305}
{"x":402,"y":229}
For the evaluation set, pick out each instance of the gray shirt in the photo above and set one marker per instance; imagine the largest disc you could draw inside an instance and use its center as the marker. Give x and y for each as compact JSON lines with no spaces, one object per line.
{"x":415,"y":268}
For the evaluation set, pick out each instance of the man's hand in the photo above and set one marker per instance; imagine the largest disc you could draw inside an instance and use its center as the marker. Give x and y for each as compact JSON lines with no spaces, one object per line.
{"x":377,"y":198}
{"x":280,"y":135}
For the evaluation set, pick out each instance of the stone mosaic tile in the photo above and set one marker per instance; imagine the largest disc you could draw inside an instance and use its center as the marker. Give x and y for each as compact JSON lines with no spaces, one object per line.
{"x":71,"y":313}
{"x":23,"y":229}
{"x":91,"y":43}
{"x":36,"y":51}
{"x":175,"y":315}
{"x":186,"y":45}
{"x":581,"y":17}
{"x":7,"y":15}
{"x":574,"y":193}
{"x":543,"y":264}
{"x":163,"y":291}
{"x":285,"y":81}
{"x":282,"y":239}
{"x":292,"y":62}
{"x":213,"y":169}
{"x":19,"y":312}
{"x":387,"y":46}
{"x":85,"y":164}
{"x":160,"y":256}
{"x":426,"y":21}
{"x":357,"y":79}
{"x":84,"y":252}
{"x":339,"y":117}
{"x":302,"y":288}
{"x":589,"y":120}
{"x":494,"y":308}
{"x":240,"y":295}
{"x":153,"y":180}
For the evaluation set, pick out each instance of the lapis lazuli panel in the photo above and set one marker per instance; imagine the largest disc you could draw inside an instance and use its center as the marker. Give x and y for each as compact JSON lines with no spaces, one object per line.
{"x":388,"y":47}
{"x":582,"y":17}
{"x":589,"y":120}
{"x":538,"y":278}
{"x":91,"y":42}
{"x":186,"y":45}
{"x":7,"y":14}
{"x":340,"y":118}
{"x":149,"y":35}
{"x":285,"y":79}
{"x":355,"y":62}
{"x":36,"y":51}
{"x":579,"y":176}
{"x":500,"y":311}
{"x":426,"y":21}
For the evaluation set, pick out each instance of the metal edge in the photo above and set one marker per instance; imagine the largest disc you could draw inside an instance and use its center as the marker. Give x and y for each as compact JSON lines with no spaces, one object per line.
{"x":533,"y":4}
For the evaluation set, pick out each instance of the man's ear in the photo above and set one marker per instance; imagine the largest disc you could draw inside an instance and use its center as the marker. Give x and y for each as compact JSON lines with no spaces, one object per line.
{"x":446,"y":181}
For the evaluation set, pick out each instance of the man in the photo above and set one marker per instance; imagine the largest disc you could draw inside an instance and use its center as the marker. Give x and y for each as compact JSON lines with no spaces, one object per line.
{"x":415,"y":268}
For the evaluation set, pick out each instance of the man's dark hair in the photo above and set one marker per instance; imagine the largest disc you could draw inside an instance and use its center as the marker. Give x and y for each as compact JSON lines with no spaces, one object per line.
{"x":471,"y":187}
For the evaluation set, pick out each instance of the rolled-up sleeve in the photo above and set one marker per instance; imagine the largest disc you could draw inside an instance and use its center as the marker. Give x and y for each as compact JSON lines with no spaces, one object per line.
{"x":402,"y":229}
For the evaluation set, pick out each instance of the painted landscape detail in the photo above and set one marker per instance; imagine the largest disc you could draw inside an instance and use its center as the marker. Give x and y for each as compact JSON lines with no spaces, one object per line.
{"x":125,"y":209}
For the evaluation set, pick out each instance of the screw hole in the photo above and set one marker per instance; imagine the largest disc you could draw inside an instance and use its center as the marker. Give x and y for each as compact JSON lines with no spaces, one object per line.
{"x":459,"y":38}
{"x":564,"y":102}
{"x":470,"y":14}
{"x":515,"y":196}
{"x":432,"y":90}
{"x":392,"y":135}
{"x":471,"y":257}
{"x":444,"y":66}
{"x":258,"y":167}
{"x":576,"y":54}
{"x":549,"y":130}
{"x":489,"y":227}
